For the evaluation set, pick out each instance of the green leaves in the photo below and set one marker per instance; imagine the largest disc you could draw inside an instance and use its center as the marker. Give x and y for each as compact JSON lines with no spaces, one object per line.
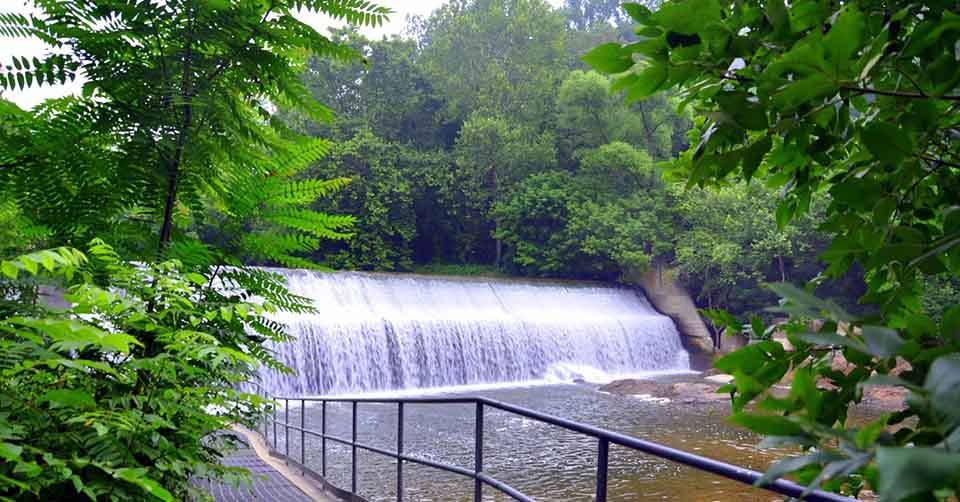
{"x":846,"y":34}
{"x":139,"y":478}
{"x":609,"y":58}
{"x":66,"y":398}
{"x":649,"y":81}
{"x":943,"y":383}
{"x":139,"y":408}
{"x":768,"y":424}
{"x":887,"y":142}
{"x":678,"y":16}
{"x":904,"y":472}
{"x":881,"y":341}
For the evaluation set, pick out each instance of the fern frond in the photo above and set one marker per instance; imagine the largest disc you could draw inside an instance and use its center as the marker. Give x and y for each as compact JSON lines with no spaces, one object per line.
{"x":300,"y":157}
{"x":304,"y":191}
{"x":322,"y":225}
{"x":356,"y":12}
{"x":21,"y":72}
{"x":272,"y":245}
{"x":13,"y":25}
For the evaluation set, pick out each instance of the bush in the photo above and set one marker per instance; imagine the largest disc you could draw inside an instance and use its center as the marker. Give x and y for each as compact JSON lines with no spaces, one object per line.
{"x":119,"y":396}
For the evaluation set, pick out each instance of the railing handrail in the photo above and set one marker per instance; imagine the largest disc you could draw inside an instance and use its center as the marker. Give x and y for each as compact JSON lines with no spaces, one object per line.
{"x":605,"y":437}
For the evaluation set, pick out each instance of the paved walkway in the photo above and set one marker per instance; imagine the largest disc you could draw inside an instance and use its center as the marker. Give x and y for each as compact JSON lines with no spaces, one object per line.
{"x":269,"y":484}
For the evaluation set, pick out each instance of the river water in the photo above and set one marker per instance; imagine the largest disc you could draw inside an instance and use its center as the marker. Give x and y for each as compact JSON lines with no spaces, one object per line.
{"x":518,"y":341}
{"x":541,"y":460}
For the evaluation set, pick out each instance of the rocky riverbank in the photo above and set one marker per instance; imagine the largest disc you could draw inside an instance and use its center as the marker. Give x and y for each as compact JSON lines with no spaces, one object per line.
{"x":702,"y":389}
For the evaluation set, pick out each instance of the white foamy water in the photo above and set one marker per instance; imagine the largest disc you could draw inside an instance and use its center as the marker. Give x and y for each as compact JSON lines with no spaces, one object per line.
{"x":395,"y":332}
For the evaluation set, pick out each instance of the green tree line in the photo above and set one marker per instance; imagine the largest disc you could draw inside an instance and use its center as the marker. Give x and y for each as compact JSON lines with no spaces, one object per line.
{"x":480,"y":141}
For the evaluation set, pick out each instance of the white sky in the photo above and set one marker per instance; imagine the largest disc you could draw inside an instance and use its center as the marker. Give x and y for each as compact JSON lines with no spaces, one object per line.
{"x":32,"y":47}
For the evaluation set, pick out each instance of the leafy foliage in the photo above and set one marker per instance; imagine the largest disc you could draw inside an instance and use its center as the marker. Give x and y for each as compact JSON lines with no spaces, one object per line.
{"x":119,"y":395}
{"x":175,"y":110}
{"x":857,"y":100}
{"x":173,"y":154}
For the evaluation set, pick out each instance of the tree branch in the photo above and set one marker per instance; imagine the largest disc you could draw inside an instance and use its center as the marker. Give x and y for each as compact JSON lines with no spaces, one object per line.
{"x":896,"y":94}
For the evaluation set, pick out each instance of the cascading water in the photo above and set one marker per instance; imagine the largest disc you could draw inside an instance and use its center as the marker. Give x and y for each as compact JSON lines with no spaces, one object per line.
{"x":394,"y":331}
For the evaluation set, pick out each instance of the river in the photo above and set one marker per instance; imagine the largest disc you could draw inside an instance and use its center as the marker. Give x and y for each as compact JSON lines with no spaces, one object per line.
{"x":541,"y":460}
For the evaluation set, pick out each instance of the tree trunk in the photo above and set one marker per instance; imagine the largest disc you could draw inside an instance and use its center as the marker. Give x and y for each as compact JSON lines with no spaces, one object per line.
{"x":783,"y":269}
{"x":496,"y":223}
{"x":173,"y":174}
{"x":173,"y":178}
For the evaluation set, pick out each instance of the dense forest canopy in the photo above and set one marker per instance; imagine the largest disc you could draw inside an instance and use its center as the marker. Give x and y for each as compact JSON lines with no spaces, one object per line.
{"x":479,"y":141}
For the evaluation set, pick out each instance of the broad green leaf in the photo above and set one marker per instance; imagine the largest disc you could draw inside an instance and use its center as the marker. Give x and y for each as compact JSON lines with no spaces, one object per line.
{"x":806,"y":14}
{"x":676,"y":16}
{"x":648,"y":82}
{"x":831,"y":339}
{"x":845,"y":36}
{"x":638,"y":12}
{"x":754,"y":154}
{"x":139,"y":477}
{"x":803,"y":91}
{"x":609,"y":58}
{"x":29,"y":263}
{"x":768,"y":424}
{"x":118,"y":342}
{"x":887,"y":142}
{"x":881,"y":341}
{"x":67,"y":398}
{"x":783,"y":467}
{"x":10,"y":452}
{"x":943,"y":383}
{"x":784,"y":214}
{"x":807,"y":303}
{"x":884,"y":210}
{"x":745,"y":113}
{"x":27,"y":470}
{"x":778,"y":16}
{"x":904,"y":472}
{"x":9,"y":269}
{"x":950,"y":326}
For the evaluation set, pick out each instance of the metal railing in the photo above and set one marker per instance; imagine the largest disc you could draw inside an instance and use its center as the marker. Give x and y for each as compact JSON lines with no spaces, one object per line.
{"x":604,"y":439}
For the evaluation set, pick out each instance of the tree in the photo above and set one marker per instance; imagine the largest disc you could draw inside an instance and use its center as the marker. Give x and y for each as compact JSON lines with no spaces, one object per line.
{"x":387,"y":92}
{"x":610,"y":219}
{"x":120,"y":395}
{"x":856,"y":99}
{"x":500,"y":56}
{"x":493,"y":155}
{"x":175,"y":96}
{"x":585,"y":113}
{"x":729,"y":245}
{"x":380,"y":199}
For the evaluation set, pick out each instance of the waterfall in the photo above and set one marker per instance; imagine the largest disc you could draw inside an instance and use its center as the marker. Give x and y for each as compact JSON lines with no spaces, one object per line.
{"x":378,"y":331}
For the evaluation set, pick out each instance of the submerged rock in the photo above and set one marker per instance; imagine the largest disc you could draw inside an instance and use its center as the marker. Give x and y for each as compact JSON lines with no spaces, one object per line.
{"x":683,"y":392}
{"x":631,"y":386}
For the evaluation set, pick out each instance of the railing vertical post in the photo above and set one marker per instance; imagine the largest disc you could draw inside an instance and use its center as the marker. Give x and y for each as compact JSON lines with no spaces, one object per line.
{"x":399,"y":451}
{"x":303,"y":435}
{"x":286,"y":430}
{"x":323,"y":439}
{"x":353,"y":456}
{"x":478,"y":454}
{"x":603,"y":453}
{"x":274,"y":445}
